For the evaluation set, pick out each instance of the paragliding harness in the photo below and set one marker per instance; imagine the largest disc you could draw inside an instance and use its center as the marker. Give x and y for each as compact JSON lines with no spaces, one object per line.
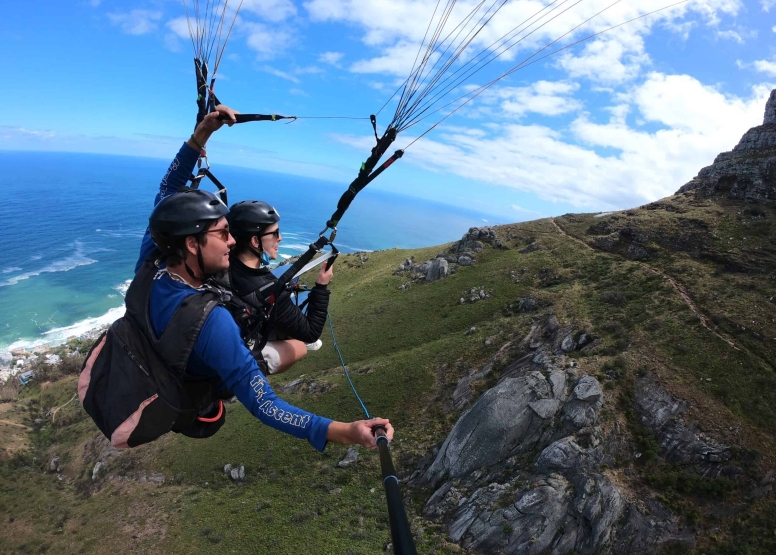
{"x":253,"y":312}
{"x":135,"y":386}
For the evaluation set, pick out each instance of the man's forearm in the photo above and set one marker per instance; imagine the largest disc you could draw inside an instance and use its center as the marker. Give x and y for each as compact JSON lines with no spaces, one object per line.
{"x":199,"y":138}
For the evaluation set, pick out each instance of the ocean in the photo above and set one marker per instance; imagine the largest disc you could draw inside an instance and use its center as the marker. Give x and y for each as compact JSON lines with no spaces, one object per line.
{"x":72,"y":225}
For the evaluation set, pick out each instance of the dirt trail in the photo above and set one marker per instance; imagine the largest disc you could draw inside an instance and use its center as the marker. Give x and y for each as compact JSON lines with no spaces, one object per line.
{"x":16,"y":424}
{"x":679,"y":289}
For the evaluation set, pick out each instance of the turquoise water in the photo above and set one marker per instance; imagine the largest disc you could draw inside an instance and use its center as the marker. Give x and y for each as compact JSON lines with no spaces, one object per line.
{"x":72,"y":225}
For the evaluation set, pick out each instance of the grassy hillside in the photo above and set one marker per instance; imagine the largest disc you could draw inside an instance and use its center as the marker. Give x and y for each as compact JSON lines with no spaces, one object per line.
{"x":682,"y":290}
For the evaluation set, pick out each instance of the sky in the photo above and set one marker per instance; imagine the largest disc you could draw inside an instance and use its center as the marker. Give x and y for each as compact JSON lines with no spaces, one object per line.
{"x":619,"y":120}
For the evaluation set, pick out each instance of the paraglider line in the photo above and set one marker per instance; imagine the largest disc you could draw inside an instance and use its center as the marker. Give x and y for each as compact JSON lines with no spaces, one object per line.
{"x":344,"y":366}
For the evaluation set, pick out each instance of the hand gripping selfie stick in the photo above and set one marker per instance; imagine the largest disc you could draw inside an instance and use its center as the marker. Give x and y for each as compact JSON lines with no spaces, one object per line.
{"x":400,"y":528}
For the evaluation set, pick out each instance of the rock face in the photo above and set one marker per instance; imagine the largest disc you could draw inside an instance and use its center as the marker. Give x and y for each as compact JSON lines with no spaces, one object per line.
{"x":660,"y":411}
{"x":748,"y":172}
{"x":566,"y":502}
{"x":770,"y":109}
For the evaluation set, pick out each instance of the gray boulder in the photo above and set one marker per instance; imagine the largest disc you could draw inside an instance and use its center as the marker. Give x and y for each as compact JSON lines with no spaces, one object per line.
{"x":53,"y":465}
{"x":498,"y":425}
{"x":528,"y":304}
{"x":439,"y":269}
{"x":351,"y":458}
{"x":96,"y":470}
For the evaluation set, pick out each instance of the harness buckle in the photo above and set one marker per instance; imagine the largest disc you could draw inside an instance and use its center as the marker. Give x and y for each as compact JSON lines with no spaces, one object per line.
{"x":332,"y":236}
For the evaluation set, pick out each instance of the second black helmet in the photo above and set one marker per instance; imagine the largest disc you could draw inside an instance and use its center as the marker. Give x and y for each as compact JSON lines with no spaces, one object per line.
{"x":251,"y":217}
{"x":187,"y":212}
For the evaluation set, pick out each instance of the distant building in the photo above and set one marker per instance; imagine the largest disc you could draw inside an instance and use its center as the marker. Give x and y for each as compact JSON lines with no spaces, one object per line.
{"x":26,"y":377}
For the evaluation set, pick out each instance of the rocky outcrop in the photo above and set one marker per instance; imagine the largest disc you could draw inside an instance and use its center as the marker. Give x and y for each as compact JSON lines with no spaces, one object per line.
{"x":543,"y":415}
{"x":770,"y":109}
{"x":679,"y":442}
{"x":748,"y":172}
{"x":476,"y":237}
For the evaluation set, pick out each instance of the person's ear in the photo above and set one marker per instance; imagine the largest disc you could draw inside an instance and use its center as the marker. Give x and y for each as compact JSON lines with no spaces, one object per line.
{"x":255,"y":242}
{"x":191,"y":244}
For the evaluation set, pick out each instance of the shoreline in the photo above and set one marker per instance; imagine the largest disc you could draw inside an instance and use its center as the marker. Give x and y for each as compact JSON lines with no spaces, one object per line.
{"x":15,"y":360}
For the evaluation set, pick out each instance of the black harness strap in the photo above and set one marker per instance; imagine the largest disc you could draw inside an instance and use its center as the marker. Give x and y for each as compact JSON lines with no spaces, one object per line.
{"x":243,"y":118}
{"x":205,"y":172}
{"x":365,"y":175}
{"x":289,"y":274}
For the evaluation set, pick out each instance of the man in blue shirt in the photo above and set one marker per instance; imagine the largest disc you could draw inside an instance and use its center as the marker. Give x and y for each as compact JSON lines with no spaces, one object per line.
{"x":219,"y":351}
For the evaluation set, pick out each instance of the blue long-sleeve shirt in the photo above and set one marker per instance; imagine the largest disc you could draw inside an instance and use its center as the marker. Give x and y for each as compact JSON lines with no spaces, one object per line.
{"x":219,"y":349}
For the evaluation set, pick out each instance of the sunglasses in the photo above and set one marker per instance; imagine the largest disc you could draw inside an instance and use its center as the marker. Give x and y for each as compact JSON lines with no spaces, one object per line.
{"x":223,"y":233}
{"x":276,"y":233}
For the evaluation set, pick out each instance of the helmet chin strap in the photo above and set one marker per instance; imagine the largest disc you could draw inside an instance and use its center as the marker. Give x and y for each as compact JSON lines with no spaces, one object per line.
{"x":200,"y":263}
{"x":258,"y":252}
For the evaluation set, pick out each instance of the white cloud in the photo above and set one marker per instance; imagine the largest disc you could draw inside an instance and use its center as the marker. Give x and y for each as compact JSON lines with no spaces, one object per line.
{"x":765,"y":66}
{"x":600,"y":165}
{"x":136,"y":22}
{"x":739,"y":35}
{"x":396,"y":60}
{"x":298,"y":92}
{"x":522,"y":210}
{"x":542,"y":97}
{"x":9,"y":133}
{"x":767,"y":5}
{"x":396,"y":28}
{"x":332,"y":58}
{"x":280,"y":73}
{"x":610,"y":59}
{"x":270,"y":10}
{"x":179,"y":26}
{"x":267,"y":41}
{"x":172,"y":42}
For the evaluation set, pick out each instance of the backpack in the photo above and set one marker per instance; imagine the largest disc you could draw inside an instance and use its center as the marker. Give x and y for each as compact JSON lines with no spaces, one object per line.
{"x":135,"y":387}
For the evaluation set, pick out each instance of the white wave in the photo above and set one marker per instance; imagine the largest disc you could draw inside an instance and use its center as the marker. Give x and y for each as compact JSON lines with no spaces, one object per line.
{"x":354,"y":249}
{"x":78,"y":258}
{"x":284,"y":256}
{"x":58,"y":336}
{"x":295,"y":247}
{"x":122,"y":287}
{"x":10,"y":269}
{"x":36,"y":257}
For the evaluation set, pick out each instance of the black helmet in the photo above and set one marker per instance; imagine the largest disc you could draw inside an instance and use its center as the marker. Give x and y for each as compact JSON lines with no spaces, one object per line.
{"x":250,"y":217}
{"x":187,"y":212}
